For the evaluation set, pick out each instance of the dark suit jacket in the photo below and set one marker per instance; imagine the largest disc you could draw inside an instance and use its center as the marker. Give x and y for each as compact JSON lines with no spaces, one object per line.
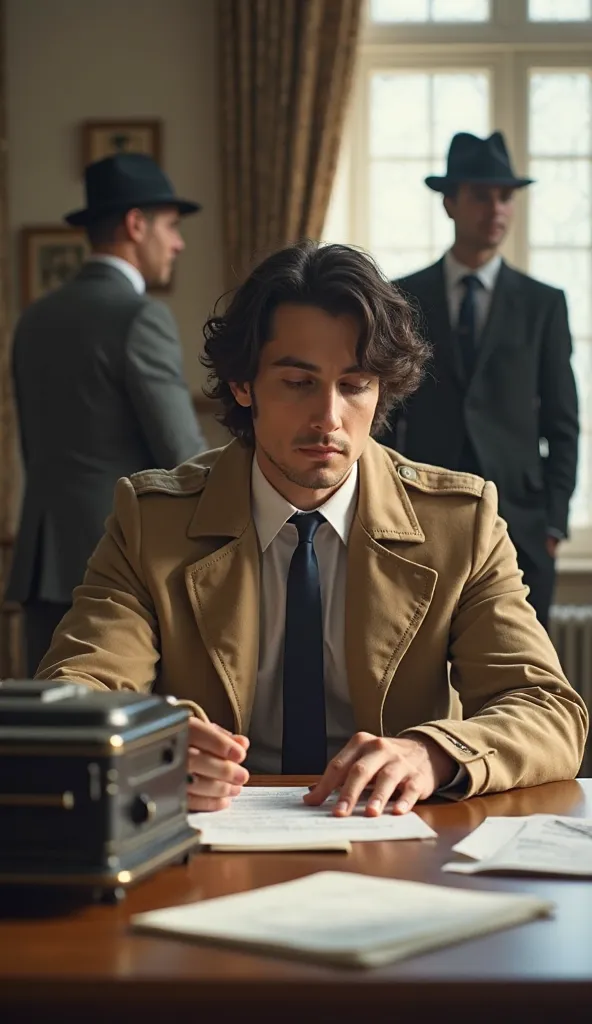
{"x":100,"y":394}
{"x":522,"y":390}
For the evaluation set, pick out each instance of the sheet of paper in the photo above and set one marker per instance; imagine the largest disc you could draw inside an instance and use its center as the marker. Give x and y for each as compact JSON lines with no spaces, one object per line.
{"x":260,"y":816}
{"x":489,"y":837}
{"x":346,"y":918}
{"x":542,"y":844}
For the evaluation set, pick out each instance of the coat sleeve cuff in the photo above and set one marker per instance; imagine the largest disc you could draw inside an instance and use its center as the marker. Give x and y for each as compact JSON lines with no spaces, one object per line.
{"x":194,"y":709}
{"x":474,"y":762}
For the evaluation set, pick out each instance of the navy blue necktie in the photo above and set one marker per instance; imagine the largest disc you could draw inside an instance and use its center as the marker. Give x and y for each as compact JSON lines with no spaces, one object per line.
{"x":467,"y":323}
{"x":304,"y":741}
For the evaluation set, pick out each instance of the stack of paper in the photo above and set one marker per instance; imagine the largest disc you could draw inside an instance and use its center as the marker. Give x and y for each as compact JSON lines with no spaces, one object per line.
{"x":272,"y":818}
{"x":539,"y":844}
{"x":346,"y":919}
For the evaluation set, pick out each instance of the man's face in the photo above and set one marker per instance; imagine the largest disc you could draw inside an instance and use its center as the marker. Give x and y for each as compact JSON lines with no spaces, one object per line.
{"x":312,"y":404}
{"x":158,"y":246}
{"x":482,"y":214}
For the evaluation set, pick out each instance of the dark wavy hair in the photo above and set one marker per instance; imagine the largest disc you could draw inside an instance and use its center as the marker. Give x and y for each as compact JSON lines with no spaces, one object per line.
{"x":338,"y":279}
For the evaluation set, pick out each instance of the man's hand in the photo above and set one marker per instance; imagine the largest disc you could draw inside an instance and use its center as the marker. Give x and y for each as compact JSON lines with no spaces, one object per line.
{"x":412,"y":768}
{"x":215,"y":774}
{"x":552,"y":544}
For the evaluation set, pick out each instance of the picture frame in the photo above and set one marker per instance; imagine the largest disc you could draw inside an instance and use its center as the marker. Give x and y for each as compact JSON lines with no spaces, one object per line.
{"x":50,"y":255}
{"x":105,"y":138}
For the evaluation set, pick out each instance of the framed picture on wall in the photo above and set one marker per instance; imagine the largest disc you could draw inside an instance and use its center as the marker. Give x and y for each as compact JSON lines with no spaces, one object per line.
{"x":104,"y":138}
{"x":50,"y":255}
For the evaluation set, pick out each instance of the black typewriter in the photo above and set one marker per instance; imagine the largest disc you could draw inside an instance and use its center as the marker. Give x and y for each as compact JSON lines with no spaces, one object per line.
{"x":92,"y":786}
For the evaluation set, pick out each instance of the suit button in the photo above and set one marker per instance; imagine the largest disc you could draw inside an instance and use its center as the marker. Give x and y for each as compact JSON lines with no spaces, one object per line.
{"x":407,"y":472}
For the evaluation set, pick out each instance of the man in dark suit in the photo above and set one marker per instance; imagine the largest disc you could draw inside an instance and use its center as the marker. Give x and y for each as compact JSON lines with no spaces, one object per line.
{"x":499,"y":397}
{"x":99,"y":386}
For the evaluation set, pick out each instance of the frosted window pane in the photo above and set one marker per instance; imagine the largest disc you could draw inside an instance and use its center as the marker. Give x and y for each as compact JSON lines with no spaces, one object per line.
{"x":429,"y":10}
{"x":560,"y":203}
{"x":559,"y":113}
{"x":581,"y":503}
{"x":417,"y":113}
{"x":570,"y":270}
{"x":559,"y":10}
{"x":400,"y":262}
{"x":400,"y":10}
{"x":461,"y":103}
{"x":399,"y":204}
{"x":400,"y":114}
{"x":413,"y":116}
{"x":460,"y":10}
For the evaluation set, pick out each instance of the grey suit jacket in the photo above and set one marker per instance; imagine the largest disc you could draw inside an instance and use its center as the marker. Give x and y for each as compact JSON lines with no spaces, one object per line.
{"x":100,"y":394}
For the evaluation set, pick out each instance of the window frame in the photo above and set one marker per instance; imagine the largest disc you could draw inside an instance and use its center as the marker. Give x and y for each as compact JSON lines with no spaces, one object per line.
{"x":507,"y":46}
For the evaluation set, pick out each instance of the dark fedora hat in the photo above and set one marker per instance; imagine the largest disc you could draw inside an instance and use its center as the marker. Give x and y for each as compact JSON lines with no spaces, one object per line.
{"x":120,"y":182}
{"x":471,"y":159}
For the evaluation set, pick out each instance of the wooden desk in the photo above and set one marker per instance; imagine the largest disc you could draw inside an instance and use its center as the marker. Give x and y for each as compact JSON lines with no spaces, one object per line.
{"x":88,"y":966}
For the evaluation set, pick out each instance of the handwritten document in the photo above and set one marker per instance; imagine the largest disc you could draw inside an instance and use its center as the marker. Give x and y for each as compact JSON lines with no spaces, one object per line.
{"x":346,"y":918}
{"x":276,"y":818}
{"x":539,"y":844}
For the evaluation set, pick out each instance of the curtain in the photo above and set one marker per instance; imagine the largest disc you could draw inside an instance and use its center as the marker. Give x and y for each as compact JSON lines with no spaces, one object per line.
{"x":9,"y":636}
{"x":286,"y":70}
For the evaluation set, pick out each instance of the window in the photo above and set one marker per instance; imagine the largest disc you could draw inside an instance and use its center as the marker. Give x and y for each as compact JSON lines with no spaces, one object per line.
{"x":429,"y":10}
{"x":403,"y":150}
{"x":430,"y":68}
{"x":559,"y":10}
{"x":559,"y":226}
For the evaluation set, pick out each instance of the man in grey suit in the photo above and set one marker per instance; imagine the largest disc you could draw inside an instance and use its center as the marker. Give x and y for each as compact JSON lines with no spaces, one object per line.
{"x":99,"y":385}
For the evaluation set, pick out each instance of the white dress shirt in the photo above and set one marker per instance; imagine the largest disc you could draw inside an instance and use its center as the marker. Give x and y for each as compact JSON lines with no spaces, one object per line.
{"x":455,"y":289}
{"x":278,"y":540}
{"x":132,"y":273}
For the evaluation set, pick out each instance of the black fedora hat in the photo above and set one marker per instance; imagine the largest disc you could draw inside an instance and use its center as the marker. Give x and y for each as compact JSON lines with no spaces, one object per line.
{"x":471,"y":159}
{"x":118,"y":183}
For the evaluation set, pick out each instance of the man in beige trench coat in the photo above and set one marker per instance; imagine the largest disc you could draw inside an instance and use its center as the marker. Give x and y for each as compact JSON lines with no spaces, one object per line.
{"x":315,"y":598}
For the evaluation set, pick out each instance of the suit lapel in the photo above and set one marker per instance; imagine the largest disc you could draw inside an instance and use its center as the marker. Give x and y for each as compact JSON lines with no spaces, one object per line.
{"x":228,"y":579}
{"x":387,"y":596}
{"x":435,"y":304}
{"x":502,"y":312}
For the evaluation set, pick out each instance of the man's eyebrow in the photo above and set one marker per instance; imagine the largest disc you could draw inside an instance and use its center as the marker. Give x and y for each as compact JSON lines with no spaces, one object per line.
{"x":301,"y":364}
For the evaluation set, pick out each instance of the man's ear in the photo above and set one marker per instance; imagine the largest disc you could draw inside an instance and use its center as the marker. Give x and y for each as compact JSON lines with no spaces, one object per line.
{"x":448,"y":204}
{"x":242,"y":393}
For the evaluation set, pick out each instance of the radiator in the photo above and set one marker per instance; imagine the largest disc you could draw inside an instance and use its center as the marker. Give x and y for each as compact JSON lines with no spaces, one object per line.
{"x":570,"y":628}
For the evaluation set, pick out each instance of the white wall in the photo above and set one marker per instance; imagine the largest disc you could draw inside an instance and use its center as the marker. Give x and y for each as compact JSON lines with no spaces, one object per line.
{"x":71,"y":60}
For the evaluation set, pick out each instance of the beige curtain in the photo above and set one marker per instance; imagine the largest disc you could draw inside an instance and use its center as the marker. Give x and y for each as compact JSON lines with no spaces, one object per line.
{"x":286,"y":71}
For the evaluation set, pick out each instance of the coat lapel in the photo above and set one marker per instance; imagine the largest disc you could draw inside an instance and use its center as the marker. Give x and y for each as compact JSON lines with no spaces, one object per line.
{"x":228,"y":578}
{"x":502,"y":313}
{"x":434,"y":302}
{"x":387,"y":596}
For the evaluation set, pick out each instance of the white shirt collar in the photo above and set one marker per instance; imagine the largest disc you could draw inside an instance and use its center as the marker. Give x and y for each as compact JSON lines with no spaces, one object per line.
{"x":132,"y":273}
{"x":487,"y":274}
{"x":271,"y":511}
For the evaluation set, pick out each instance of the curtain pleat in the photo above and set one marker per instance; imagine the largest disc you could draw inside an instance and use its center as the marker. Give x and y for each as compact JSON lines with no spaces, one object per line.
{"x":286,"y":73}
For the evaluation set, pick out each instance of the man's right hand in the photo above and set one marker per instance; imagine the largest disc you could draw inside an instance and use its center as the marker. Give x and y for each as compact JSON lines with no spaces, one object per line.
{"x":214,"y":769}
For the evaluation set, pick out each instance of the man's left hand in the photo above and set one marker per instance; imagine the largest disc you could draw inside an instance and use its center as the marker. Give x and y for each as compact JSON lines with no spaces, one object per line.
{"x":411,"y":768}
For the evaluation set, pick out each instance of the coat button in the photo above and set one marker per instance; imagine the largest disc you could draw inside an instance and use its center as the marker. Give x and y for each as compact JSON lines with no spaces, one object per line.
{"x":408,"y":472}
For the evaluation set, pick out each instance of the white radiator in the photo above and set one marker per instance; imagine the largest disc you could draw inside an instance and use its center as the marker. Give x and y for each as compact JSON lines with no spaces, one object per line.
{"x":570,"y":628}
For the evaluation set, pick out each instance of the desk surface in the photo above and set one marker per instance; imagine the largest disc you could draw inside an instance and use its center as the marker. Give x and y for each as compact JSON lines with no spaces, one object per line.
{"x":89,"y":966}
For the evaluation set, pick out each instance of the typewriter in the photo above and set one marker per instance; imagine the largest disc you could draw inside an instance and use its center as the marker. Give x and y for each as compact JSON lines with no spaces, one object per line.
{"x":92,"y":786}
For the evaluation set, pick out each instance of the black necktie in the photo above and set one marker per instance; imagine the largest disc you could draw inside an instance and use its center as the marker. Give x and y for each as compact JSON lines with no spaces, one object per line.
{"x":466,"y":330}
{"x":304,"y":743}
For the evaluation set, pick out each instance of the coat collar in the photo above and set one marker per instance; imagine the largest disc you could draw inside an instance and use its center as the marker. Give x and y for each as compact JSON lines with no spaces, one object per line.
{"x":224,"y":508}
